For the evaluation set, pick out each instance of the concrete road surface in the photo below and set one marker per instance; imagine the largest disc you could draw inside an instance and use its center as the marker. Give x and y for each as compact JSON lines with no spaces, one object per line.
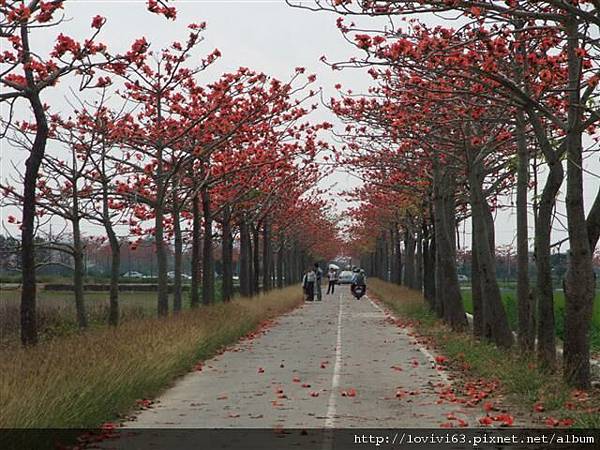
{"x":332,"y":364}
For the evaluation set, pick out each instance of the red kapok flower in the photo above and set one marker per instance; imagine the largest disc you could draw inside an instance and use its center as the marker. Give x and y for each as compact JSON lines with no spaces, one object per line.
{"x":98,"y":21}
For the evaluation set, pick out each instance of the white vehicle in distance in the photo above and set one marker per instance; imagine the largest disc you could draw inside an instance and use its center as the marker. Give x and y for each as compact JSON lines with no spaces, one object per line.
{"x":133,"y":274}
{"x":184,"y":276}
{"x":345,"y":277}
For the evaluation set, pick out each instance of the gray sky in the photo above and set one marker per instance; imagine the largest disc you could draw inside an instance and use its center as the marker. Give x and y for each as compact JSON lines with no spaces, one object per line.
{"x":264,"y":35}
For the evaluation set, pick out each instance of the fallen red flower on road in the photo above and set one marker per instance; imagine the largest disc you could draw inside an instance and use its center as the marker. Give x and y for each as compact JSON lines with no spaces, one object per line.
{"x":488,"y":406}
{"x":351,"y":392}
{"x":506,"y":419}
{"x":568,"y":422}
{"x":108,"y":426}
{"x":485,"y":421}
{"x":462,"y":423}
{"x":441,"y":359}
{"x":144,"y":403}
{"x":551,"y":422}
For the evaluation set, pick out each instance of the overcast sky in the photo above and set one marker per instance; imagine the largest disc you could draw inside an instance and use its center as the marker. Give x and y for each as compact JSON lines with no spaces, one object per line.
{"x":264,"y":35}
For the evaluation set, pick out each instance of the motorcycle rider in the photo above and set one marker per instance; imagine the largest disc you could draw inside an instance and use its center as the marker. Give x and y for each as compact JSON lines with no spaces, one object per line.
{"x":358,"y":279}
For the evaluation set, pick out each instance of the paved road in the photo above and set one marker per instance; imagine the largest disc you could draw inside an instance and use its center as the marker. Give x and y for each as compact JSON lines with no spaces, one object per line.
{"x":334,"y":364}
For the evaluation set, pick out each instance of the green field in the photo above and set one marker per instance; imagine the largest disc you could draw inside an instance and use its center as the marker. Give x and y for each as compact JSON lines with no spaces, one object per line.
{"x":509,"y":298}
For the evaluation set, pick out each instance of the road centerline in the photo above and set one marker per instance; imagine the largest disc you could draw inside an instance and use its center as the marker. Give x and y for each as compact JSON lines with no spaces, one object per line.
{"x":335,"y":378}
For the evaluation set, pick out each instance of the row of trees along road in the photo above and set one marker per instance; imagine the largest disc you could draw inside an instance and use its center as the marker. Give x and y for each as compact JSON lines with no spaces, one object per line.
{"x":153,"y":153}
{"x":457,"y":116}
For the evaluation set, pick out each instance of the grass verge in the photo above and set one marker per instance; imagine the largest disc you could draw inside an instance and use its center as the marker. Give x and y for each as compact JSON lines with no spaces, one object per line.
{"x":83,"y":380}
{"x":521,"y":381}
{"x":56,"y":315}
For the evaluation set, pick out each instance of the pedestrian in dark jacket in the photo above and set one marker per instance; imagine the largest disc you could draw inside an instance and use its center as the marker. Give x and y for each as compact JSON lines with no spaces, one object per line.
{"x":318,"y":278}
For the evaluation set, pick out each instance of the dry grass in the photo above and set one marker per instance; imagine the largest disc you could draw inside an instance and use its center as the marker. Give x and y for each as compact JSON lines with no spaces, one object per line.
{"x":403,"y":300}
{"x":56,"y":311}
{"x":522,"y":381}
{"x":86,"y":379}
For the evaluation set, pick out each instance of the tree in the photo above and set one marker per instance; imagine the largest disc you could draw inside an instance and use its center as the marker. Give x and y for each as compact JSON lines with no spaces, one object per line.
{"x":27,"y":73}
{"x":560,"y":63}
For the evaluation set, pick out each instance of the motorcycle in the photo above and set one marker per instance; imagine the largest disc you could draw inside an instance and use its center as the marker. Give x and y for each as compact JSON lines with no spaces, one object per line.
{"x":358,"y":291}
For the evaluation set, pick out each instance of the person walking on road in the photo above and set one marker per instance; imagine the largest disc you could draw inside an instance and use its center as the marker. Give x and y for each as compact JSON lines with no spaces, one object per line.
{"x":308,"y":285}
{"x":318,"y":277}
{"x":333,"y":278}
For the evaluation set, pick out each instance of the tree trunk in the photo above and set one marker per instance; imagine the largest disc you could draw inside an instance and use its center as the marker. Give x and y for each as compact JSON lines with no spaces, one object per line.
{"x":289,"y":279}
{"x":115,"y":268}
{"x":579,"y":281}
{"x":227,"y":256}
{"x":386,"y":257}
{"x":447,"y":287}
{"x":524,"y":300}
{"x":115,"y":251}
{"x":159,"y":211}
{"x":255,"y":259}
{"x":376,"y":259}
{"x":279,"y":263}
{"x":419,"y":262}
{"x":399,"y":274}
{"x":429,"y":268}
{"x":546,"y":343}
{"x":297,"y":263}
{"x":196,"y":236}
{"x":245,"y":289}
{"x":294,"y":263}
{"x":302,"y":263}
{"x":389,"y":254}
{"x":161,"y":261}
{"x":476,"y":288}
{"x":438,"y":206}
{"x":287,"y":262}
{"x":409,"y":259}
{"x":393,"y":257}
{"x":546,"y":347}
{"x":593,"y":223}
{"x":267,"y":256}
{"x":78,"y":268}
{"x":32,"y":166}
{"x":496,"y":327}
{"x":178,"y":262}
{"x":208,"y":261}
